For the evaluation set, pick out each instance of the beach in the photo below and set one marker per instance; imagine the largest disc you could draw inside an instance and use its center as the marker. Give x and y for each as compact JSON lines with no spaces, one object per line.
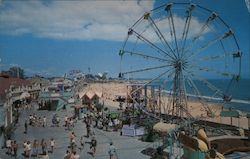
{"x":110,"y":90}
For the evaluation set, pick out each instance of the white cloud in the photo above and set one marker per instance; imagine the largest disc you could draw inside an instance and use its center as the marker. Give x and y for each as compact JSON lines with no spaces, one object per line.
{"x":248,"y":5}
{"x":82,"y":20}
{"x":146,"y":29}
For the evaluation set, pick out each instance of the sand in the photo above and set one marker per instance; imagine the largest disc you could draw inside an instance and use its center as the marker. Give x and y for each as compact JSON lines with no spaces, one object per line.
{"x":111,"y":89}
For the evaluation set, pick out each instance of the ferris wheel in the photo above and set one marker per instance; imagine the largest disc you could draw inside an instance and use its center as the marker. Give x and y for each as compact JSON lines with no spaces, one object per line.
{"x":189,"y":46}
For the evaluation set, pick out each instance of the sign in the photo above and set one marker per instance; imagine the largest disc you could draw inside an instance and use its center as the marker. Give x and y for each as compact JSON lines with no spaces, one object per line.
{"x":233,"y":113}
{"x":55,"y":95}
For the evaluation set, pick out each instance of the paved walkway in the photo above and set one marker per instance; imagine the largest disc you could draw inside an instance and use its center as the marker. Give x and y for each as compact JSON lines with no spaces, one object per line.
{"x":128,"y":147}
{"x":239,"y":155}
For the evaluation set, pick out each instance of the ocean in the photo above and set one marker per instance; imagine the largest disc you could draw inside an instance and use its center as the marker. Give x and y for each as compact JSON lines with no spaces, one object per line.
{"x":239,"y":91}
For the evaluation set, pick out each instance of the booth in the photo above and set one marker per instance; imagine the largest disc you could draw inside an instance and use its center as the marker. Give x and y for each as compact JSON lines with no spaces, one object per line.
{"x":132,"y":130}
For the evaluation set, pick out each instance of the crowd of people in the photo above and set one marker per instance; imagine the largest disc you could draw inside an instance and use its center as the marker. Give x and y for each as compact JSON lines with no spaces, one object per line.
{"x":38,"y":149}
{"x":12,"y":147}
{"x":41,"y":148}
{"x":69,"y":122}
{"x":37,"y":121}
{"x":104,"y":122}
{"x":31,"y":149}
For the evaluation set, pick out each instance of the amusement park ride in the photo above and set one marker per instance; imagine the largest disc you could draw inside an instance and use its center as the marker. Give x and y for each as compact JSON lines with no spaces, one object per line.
{"x":187,"y":45}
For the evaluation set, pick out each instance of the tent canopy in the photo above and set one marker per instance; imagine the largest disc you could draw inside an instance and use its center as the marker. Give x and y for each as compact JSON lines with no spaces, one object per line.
{"x":90,"y":94}
{"x":164,"y":127}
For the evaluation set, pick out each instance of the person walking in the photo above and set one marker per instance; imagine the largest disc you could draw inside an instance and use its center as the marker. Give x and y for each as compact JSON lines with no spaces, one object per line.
{"x":25,"y":127}
{"x":71,"y":123}
{"x":57,"y":121}
{"x":112,"y":151}
{"x":11,"y":148}
{"x":44,"y":121}
{"x":15,"y":147}
{"x":88,"y":129}
{"x":106,"y":123}
{"x":30,"y":119}
{"x":72,"y":137}
{"x":66,"y":121}
{"x":8,"y":146}
{"x":28,"y":149}
{"x":52,"y":144}
{"x":93,"y":145}
{"x":44,"y":146}
{"x":81,"y":143}
{"x":35,"y":148}
{"x":24,"y":147}
{"x":68,"y":124}
{"x":17,"y":116}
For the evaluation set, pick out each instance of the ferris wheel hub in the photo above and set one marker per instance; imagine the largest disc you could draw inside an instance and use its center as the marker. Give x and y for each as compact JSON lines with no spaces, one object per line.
{"x":179,"y":64}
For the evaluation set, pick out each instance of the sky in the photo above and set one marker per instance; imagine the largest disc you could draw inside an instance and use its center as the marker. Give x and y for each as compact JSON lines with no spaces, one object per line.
{"x":52,"y":37}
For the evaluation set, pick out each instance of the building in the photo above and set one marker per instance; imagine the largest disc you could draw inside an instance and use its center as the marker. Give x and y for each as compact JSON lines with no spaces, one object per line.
{"x":15,"y":72}
{"x":90,"y":98}
{"x":13,"y":90}
{"x":55,"y":101}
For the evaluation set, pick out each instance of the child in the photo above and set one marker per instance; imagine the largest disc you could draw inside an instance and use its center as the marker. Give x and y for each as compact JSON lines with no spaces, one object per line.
{"x":52,"y":144}
{"x":8,"y":145}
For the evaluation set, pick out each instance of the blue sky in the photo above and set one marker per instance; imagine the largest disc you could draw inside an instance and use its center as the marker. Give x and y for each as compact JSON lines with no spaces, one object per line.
{"x":53,"y":37}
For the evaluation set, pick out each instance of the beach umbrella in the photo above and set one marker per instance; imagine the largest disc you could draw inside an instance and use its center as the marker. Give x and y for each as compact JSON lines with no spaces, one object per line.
{"x":202,"y":145}
{"x":201,"y":135}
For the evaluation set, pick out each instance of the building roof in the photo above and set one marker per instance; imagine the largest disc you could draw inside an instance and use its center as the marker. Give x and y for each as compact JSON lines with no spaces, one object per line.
{"x":39,"y":80}
{"x":6,"y":82}
{"x":99,"y":94}
{"x":90,"y":94}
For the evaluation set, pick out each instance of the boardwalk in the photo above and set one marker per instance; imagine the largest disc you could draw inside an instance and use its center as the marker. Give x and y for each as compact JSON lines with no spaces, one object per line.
{"x":128,"y":147}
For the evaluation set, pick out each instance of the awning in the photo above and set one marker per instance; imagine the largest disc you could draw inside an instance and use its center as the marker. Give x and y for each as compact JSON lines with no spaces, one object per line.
{"x":81,"y":94}
{"x":90,"y":94}
{"x":24,"y":95}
